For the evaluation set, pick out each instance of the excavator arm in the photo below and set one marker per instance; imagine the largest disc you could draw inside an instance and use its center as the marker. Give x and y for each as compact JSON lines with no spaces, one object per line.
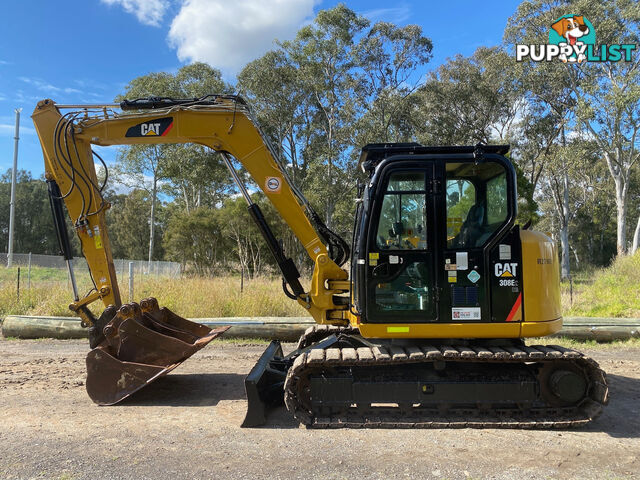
{"x":222,"y":123}
{"x":134,"y":344}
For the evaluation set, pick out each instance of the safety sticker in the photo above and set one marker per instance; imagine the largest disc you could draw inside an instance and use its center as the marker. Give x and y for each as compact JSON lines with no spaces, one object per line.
{"x":466,"y":313}
{"x":96,"y":237}
{"x":462,"y":260}
{"x":473,"y":276}
{"x":397,"y":329}
{"x":453,"y":276}
{"x":273,"y":184}
{"x":394,"y":259}
{"x":504,"y":252}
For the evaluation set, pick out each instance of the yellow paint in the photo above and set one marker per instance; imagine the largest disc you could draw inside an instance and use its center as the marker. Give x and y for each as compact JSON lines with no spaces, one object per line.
{"x":442,"y":330}
{"x":98,"y":241}
{"x":540,"y":278}
{"x":540,"y":329}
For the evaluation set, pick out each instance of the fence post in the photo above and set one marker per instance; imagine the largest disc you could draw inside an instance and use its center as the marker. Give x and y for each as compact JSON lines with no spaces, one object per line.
{"x":130,"y":281}
{"x":29,"y":274}
{"x":18,"y":289}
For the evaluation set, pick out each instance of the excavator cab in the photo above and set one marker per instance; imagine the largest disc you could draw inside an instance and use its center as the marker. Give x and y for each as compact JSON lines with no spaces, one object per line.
{"x":433,"y":223}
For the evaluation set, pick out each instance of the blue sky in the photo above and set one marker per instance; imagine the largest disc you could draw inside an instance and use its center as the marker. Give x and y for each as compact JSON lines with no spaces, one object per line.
{"x":86,"y":51}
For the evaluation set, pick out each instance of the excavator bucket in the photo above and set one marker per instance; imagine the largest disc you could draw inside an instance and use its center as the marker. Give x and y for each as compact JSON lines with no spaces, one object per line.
{"x":140,"y":344}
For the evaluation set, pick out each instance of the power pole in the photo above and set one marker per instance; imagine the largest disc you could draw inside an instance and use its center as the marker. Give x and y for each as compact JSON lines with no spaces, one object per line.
{"x":12,"y":205}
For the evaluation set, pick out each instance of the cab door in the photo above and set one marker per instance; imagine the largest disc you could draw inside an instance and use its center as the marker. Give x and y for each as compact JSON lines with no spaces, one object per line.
{"x":401,"y":284}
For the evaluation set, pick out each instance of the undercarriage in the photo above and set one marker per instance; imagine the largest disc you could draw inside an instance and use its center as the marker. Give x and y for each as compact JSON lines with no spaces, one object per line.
{"x":337,"y":379}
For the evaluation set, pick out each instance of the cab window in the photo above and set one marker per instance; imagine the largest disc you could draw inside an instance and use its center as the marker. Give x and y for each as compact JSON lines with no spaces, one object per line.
{"x":477,"y":203}
{"x":403,"y":221}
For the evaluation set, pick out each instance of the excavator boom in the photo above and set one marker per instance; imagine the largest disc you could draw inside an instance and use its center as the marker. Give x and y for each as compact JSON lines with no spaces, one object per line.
{"x":135,"y":344}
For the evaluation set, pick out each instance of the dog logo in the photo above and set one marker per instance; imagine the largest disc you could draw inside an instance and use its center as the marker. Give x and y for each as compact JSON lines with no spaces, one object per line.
{"x":572,"y":39}
{"x":572,"y":33}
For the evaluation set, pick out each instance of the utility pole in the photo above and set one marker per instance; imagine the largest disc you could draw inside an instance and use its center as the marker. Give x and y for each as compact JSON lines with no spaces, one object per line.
{"x":12,"y":205}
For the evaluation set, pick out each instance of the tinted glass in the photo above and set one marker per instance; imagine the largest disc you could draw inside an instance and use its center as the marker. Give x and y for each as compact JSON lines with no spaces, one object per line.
{"x":477,"y":203}
{"x":403,"y":217}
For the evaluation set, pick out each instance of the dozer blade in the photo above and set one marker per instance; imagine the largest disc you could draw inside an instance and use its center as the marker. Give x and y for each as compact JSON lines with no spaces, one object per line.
{"x":264,"y":385}
{"x":141,"y":343}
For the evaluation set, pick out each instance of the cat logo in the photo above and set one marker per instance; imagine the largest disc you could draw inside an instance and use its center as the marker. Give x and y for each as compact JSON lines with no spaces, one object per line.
{"x":150,"y":129}
{"x":158,"y":127}
{"x":506,"y":269}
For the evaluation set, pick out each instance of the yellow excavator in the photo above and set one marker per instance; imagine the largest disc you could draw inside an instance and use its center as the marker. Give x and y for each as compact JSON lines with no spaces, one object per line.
{"x":424,"y":328}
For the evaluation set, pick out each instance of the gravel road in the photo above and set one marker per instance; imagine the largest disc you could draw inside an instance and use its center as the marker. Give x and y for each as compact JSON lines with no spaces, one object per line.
{"x":186,"y":426}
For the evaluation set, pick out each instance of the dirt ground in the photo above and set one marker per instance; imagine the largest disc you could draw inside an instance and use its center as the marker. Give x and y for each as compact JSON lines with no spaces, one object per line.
{"x":186,"y":426}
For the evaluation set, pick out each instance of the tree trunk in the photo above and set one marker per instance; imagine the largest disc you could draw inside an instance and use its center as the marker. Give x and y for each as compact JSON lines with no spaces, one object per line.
{"x":621,"y":206}
{"x":564,"y":233}
{"x":636,"y":238}
{"x":152,"y":224}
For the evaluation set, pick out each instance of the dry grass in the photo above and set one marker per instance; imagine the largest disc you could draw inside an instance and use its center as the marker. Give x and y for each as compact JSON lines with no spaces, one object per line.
{"x":189,"y":297}
{"x":610,"y":292}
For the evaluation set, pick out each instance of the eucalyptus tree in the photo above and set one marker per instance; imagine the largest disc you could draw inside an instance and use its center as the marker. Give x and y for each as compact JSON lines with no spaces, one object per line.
{"x":605,"y":95}
{"x":390,"y":61}
{"x":470,"y":99}
{"x":146,"y":166}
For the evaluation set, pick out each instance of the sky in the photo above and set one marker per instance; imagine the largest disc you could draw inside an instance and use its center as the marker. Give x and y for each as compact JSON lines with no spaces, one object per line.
{"x":86,"y":51}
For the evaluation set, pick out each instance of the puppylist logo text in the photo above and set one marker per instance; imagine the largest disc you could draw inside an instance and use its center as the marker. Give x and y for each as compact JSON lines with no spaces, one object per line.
{"x":572,"y":38}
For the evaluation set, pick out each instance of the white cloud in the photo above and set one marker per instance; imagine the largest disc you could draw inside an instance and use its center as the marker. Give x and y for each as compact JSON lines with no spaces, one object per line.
{"x":392,"y":15}
{"x":227,"y":35}
{"x":149,"y":12}
{"x":47,"y":87}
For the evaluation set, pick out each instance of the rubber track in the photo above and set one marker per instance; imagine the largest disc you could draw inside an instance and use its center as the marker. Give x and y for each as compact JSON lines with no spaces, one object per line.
{"x":390,"y":417}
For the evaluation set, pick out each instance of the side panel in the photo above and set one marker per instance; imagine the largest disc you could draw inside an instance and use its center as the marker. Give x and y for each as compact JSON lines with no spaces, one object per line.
{"x":505,"y":273}
{"x":541,"y":278}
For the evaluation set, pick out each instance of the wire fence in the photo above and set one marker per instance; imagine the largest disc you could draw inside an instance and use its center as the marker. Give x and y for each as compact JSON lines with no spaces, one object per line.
{"x":140,"y":267}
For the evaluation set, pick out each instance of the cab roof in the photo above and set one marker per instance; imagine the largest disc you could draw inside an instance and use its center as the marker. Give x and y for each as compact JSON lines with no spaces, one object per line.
{"x":373,"y":153}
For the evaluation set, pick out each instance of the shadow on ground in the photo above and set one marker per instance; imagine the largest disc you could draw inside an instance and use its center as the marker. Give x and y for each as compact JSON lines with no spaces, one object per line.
{"x":203,"y":390}
{"x":621,"y":418}
{"x":186,"y":390}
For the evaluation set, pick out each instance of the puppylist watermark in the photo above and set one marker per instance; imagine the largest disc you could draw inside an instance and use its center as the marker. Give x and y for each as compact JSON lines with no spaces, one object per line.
{"x":572,"y":38}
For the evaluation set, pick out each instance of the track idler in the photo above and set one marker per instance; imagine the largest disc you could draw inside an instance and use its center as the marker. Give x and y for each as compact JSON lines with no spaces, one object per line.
{"x":136,"y":344}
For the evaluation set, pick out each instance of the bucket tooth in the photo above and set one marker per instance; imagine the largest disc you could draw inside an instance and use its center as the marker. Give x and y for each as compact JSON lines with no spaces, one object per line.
{"x":142,"y":343}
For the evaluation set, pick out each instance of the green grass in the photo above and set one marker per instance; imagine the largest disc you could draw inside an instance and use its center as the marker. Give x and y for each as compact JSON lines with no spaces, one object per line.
{"x":611,"y":292}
